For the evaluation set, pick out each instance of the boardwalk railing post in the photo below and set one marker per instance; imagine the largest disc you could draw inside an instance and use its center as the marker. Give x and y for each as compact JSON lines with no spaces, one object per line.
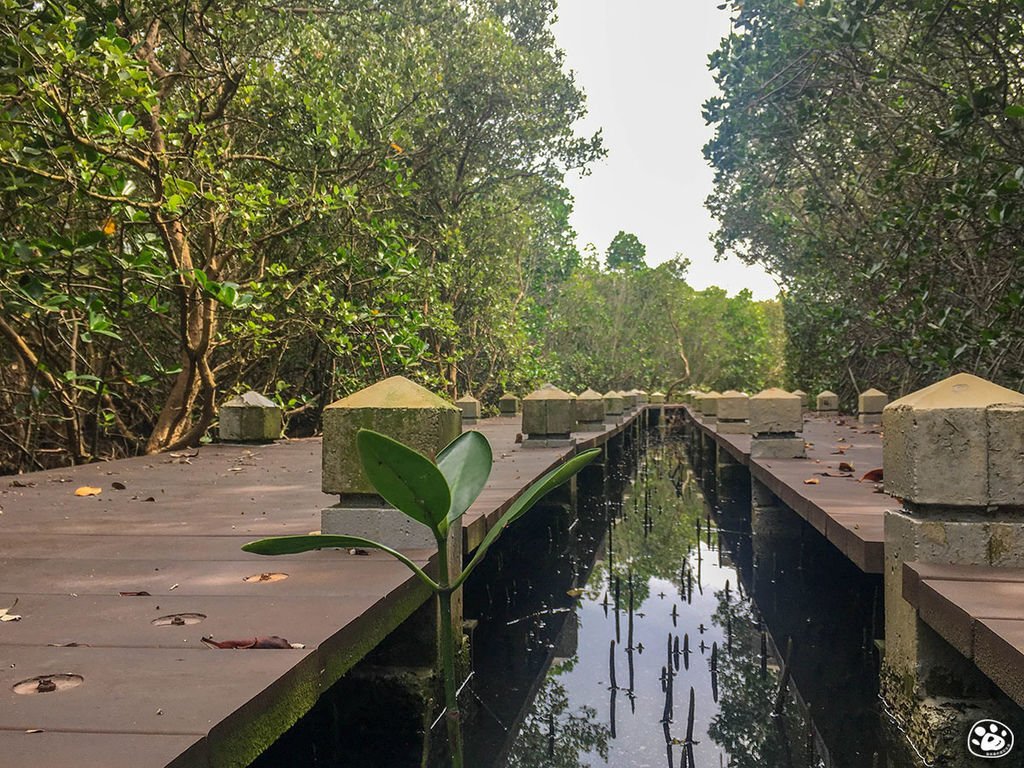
{"x":613,"y":405}
{"x":250,"y":418}
{"x":549,"y":418}
{"x":827,"y":403}
{"x":707,"y":406}
{"x":508,"y":405}
{"x":406,"y":412}
{"x":733,"y":410}
{"x":590,"y":411}
{"x":951,"y":453}
{"x":657,"y":410}
{"x":870,"y":405}
{"x":804,"y":399}
{"x":470,"y":408}
{"x":776,"y":425}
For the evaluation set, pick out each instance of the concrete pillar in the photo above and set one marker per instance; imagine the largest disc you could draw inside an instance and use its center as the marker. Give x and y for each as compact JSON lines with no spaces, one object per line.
{"x":707,"y":405}
{"x":470,"y":408}
{"x":690,"y":398}
{"x":804,"y":399}
{"x":733,"y":411}
{"x":776,"y":424}
{"x":870,"y":405}
{"x":403,"y":411}
{"x":613,"y":405}
{"x":590,"y":411}
{"x":775,"y":531}
{"x":629,"y":402}
{"x":827,"y":403}
{"x":951,"y":453}
{"x":508,"y":405}
{"x":549,"y":416}
{"x":657,"y":411}
{"x":250,"y":418}
{"x":657,"y":398}
{"x":642,"y":398}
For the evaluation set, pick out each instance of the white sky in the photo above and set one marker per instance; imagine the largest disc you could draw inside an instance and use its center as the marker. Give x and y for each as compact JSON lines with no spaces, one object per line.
{"x":643,"y":65}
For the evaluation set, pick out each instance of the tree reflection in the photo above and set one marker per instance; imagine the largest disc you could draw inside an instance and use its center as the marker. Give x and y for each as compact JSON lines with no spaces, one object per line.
{"x":552,"y":737}
{"x":745,"y":725}
{"x":656,"y":529}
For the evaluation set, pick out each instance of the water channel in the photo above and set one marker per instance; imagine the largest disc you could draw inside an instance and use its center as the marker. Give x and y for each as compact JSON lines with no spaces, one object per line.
{"x":645,"y":628}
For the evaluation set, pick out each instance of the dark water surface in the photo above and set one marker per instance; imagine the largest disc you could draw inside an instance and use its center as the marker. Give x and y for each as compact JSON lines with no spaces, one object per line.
{"x":580,"y":656}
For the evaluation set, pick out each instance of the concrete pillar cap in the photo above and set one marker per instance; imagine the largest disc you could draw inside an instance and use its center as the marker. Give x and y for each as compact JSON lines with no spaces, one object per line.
{"x":872,"y":391}
{"x":549,"y":392}
{"x":956,"y":443}
{"x":466,"y":399}
{"x":589,"y":394}
{"x":774,"y":393}
{"x":396,"y":407}
{"x":250,"y":399}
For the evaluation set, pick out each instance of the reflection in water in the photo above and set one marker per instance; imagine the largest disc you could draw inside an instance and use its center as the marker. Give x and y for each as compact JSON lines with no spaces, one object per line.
{"x":665,"y":658}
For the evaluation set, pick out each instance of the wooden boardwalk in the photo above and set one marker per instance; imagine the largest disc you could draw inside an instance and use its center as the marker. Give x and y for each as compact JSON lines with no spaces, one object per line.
{"x":98,"y":580}
{"x":847,"y":512}
{"x":978,"y":610}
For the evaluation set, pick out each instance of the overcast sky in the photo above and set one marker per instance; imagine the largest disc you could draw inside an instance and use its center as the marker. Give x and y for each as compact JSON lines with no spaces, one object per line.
{"x":643,"y":65}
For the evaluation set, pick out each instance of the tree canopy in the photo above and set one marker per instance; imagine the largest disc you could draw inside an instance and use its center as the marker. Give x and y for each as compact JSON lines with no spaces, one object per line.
{"x":871,"y":154}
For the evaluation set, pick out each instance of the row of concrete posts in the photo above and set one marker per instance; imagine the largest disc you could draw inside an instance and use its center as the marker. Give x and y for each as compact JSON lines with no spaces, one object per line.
{"x":953,"y":462}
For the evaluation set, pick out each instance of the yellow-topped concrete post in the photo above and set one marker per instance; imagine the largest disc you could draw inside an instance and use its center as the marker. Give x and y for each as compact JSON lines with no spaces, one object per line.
{"x":804,"y":400}
{"x":613,"y":406}
{"x":629,"y":401}
{"x":403,"y":411}
{"x":707,"y":405}
{"x":733,"y":411}
{"x":250,"y":418}
{"x":870,"y":405}
{"x":776,"y":425}
{"x":827,"y":403}
{"x":508,"y":405}
{"x":952,"y":456}
{"x":590,"y":411}
{"x":470,"y":408}
{"x":549,"y":416}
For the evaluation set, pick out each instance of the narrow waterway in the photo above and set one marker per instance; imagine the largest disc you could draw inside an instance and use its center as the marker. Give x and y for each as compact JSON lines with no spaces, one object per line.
{"x":598,"y":629}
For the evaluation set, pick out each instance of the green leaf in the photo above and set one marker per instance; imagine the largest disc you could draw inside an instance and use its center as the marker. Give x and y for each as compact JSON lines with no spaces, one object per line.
{"x":525,"y":502}
{"x":406,"y":479}
{"x":291,"y":545}
{"x":1015,"y":110}
{"x":466,"y":464}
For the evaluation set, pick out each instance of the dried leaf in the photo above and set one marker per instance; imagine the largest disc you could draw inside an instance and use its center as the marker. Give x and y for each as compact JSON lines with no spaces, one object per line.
{"x":173,"y":587}
{"x":118,"y":486}
{"x":811,"y":481}
{"x":88,"y":490}
{"x":835,"y":474}
{"x":6,"y":615}
{"x":575,"y":592}
{"x":845,"y":466}
{"x":270,"y":641}
{"x":358,"y":551}
{"x":134,"y":594}
{"x":21,"y":484}
{"x":872,"y":476}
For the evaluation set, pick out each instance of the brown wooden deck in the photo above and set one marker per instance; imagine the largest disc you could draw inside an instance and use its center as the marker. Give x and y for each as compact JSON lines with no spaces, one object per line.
{"x":977,"y":610}
{"x":155,"y":695}
{"x":847,"y":512}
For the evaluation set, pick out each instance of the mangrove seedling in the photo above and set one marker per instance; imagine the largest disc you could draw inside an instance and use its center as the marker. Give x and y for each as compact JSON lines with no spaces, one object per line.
{"x":436,"y":495}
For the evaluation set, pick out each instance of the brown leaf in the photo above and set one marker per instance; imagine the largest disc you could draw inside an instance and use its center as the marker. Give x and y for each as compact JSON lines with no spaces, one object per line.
{"x":270,"y":641}
{"x":88,"y":490}
{"x":845,"y":466}
{"x":21,"y":484}
{"x":872,"y":476}
{"x":811,"y":481}
{"x":134,"y":594}
{"x":835,"y":474}
{"x":118,"y":486}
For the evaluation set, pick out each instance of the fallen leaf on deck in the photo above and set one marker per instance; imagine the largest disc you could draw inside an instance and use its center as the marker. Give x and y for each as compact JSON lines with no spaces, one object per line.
{"x":271,"y":641}
{"x":35,"y":730}
{"x":118,"y":486}
{"x":811,"y":481}
{"x":576,"y":592}
{"x":21,"y":484}
{"x":845,"y":466}
{"x":835,"y":474}
{"x":6,"y":615}
{"x":72,"y":644}
{"x":88,"y":490}
{"x":134,"y":594}
{"x":358,"y":551}
{"x":873,"y":476}
{"x":183,"y":455}
{"x":173,"y":587}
